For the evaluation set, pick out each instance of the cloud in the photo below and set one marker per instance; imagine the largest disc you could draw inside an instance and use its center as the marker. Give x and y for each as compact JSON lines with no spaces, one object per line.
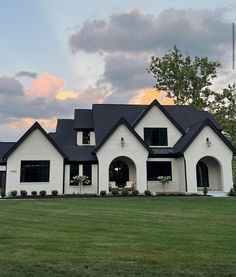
{"x":32,"y":75}
{"x":147,"y":95}
{"x":200,"y":32}
{"x":9,"y":86}
{"x":45,"y":86}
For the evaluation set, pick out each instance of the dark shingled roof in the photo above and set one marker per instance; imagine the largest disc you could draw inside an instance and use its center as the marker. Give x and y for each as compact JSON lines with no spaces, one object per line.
{"x":83,"y":119}
{"x":4,"y":148}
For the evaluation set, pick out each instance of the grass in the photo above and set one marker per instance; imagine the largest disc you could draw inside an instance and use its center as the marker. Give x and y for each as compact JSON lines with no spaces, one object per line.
{"x":138,"y":236}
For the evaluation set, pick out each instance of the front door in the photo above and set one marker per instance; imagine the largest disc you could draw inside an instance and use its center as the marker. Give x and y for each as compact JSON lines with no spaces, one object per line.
{"x":202,"y":175}
{"x":119,"y":173}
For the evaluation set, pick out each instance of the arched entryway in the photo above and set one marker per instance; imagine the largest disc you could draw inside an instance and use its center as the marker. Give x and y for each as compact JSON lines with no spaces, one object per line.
{"x":208,"y":173}
{"x":122,"y":172}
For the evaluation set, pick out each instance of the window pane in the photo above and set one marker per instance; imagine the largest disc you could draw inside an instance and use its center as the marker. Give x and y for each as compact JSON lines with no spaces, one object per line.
{"x":35,"y":171}
{"x":74,"y":171}
{"x":86,"y":137}
{"x":156,"y":169}
{"x":156,"y":136}
{"x":87,"y":171}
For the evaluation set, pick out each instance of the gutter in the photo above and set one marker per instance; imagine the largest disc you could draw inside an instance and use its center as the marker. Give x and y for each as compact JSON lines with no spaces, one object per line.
{"x":185,"y":175}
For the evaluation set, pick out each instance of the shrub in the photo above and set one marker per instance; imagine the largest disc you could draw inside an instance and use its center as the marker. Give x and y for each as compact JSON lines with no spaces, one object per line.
{"x":135,"y":192}
{"x":54,"y":193}
{"x":42,"y":193}
{"x":205,"y":191}
{"x":34,"y":193}
{"x":103,"y":193}
{"x":13,"y":193}
{"x":23,"y":193}
{"x":231,"y":192}
{"x":147,"y":193}
{"x":2,"y":193}
{"x":114,"y":191}
{"x":125,"y":192}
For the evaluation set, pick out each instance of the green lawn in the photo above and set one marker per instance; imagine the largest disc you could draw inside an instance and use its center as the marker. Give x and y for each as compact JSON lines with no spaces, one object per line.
{"x":129,"y":236}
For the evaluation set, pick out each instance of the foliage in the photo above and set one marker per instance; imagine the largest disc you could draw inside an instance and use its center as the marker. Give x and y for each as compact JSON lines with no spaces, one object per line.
{"x":224,"y":109}
{"x":13,"y":193}
{"x":103,"y":193}
{"x":54,"y":192}
{"x":114,"y":191}
{"x":2,"y":192}
{"x":81,"y":179}
{"x":135,"y":192}
{"x":231,"y":192}
{"x":205,"y":191}
{"x":164,"y":180}
{"x":42,"y":193}
{"x":23,"y":193}
{"x":184,"y":79}
{"x":34,"y":193}
{"x":125,"y":192}
{"x":147,"y":193}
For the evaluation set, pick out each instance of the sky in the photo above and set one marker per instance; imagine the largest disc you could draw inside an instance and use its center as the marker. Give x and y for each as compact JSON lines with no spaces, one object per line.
{"x":56,"y":56}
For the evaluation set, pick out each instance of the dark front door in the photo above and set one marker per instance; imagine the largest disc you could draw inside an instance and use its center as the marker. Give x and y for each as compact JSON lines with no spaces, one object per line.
{"x":2,"y":179}
{"x":119,"y":173}
{"x":202,"y":175}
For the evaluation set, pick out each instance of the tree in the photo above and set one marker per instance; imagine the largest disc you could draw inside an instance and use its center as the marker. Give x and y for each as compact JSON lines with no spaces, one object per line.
{"x":164,"y":180}
{"x":185,"y":80}
{"x":224,"y":109}
{"x":80,"y":180}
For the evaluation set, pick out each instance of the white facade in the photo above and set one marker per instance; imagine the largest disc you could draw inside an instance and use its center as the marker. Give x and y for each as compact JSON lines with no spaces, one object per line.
{"x":35,"y":147}
{"x":125,"y":144}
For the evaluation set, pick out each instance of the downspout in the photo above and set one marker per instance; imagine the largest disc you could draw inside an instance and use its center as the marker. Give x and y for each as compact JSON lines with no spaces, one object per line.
{"x":63,"y":184}
{"x":185,"y":175}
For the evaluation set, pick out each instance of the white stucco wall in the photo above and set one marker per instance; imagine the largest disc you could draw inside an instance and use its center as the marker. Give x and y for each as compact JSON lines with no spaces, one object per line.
{"x":156,"y":119}
{"x":132,"y":149}
{"x":35,"y":147}
{"x":84,"y":189}
{"x":177,"y":182}
{"x":218,"y":150}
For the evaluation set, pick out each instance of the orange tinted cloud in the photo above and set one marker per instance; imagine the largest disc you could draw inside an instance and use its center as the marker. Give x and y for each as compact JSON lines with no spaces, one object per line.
{"x":26,"y":123}
{"x":46,"y":86}
{"x":148,"y":95}
{"x":63,"y":95}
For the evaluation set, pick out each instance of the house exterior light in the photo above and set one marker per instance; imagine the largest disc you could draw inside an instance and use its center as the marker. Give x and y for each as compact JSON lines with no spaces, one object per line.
{"x":122,"y":142}
{"x":208,"y":142}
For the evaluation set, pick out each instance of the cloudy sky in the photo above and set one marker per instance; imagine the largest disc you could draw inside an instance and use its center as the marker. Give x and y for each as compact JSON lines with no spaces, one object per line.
{"x":60,"y":55}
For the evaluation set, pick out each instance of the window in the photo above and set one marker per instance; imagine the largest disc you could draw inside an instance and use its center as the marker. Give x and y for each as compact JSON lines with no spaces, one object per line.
{"x":2,"y":179}
{"x":87,"y":171}
{"x":156,"y":136}
{"x":86,"y":137}
{"x":156,"y":169}
{"x":35,"y":171}
{"x":74,"y":171}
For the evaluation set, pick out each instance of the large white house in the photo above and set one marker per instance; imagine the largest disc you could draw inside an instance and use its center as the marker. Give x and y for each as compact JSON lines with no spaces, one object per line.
{"x":124,"y":146}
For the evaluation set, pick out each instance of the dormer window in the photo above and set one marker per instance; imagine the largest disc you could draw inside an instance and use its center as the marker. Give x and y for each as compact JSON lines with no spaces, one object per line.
{"x":86,"y":137}
{"x":156,"y":136}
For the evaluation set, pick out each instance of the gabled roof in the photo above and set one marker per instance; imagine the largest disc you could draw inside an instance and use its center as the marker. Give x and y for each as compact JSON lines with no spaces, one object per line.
{"x":83,"y":119}
{"x":194,"y":131}
{"x":122,"y":121}
{"x":34,"y":127}
{"x":148,"y":108}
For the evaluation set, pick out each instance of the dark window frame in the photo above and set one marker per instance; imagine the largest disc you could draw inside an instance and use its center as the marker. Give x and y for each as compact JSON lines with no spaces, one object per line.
{"x":35,"y":171}
{"x":156,"y":136}
{"x":158,"y":168}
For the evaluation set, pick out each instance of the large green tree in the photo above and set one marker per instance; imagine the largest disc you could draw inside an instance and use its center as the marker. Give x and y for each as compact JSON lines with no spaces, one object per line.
{"x":188,"y":81}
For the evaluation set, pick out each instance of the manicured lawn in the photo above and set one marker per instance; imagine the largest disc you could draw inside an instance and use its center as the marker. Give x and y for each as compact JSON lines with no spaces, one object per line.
{"x":118,"y":237}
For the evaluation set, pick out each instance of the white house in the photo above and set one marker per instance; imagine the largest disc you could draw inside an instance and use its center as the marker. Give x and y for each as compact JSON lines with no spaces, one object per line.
{"x":121,"y":146}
